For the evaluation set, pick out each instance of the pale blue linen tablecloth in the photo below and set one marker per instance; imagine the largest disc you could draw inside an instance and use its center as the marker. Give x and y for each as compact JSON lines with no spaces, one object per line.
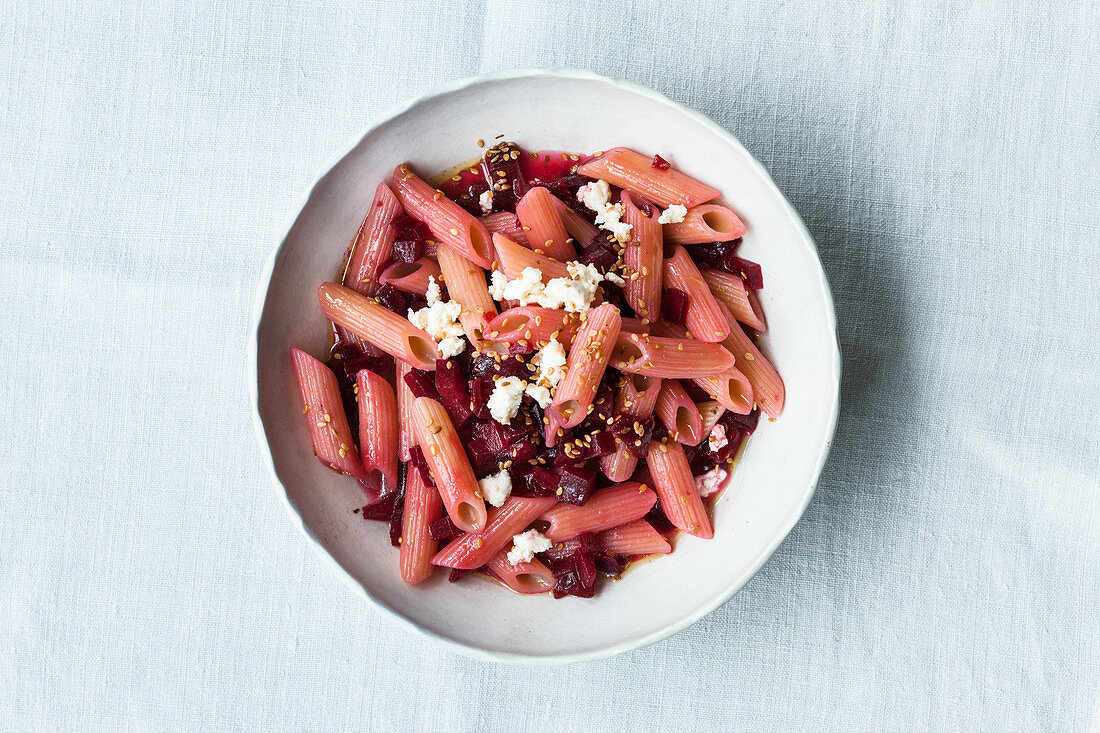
{"x":944,"y":156}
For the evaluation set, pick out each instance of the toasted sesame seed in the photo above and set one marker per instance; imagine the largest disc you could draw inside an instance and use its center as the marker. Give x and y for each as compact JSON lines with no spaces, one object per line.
{"x":454,"y":232}
{"x":749,"y":356}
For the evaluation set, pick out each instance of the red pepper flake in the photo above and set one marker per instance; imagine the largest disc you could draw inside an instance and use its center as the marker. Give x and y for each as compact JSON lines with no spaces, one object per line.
{"x":660,"y":163}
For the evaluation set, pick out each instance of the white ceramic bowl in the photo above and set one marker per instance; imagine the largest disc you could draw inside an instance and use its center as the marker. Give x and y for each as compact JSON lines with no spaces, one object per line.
{"x":568,"y":110}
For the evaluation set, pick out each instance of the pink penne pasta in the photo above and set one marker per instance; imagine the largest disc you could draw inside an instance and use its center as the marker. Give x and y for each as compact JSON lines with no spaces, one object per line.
{"x":448,"y":222}
{"x":525,"y":577}
{"x":422,"y":506}
{"x":506,"y":223}
{"x":607,"y":508}
{"x":545,"y":230}
{"x":378,"y":325}
{"x":742,"y":303}
{"x":669,"y":358}
{"x":635,"y":538}
{"x":406,"y":435}
{"x":679,"y":414}
{"x":731,"y":389}
{"x":704,"y":314}
{"x":449,"y":465}
{"x":637,"y":395}
{"x":466,"y":285}
{"x":675,"y":486}
{"x":373,"y":243}
{"x":514,"y":259}
{"x":471,"y":551}
{"x":580,"y":229}
{"x":768,"y":388}
{"x":532,"y":324}
{"x":634,"y":325}
{"x":378,"y":437}
{"x":706,"y":223}
{"x":710,"y":412}
{"x":633,"y":171}
{"x":643,"y":260}
{"x":410,"y":277}
{"x":324,"y":411}
{"x":585,"y":365}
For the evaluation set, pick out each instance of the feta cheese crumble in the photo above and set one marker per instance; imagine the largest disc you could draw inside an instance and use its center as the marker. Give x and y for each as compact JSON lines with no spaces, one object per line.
{"x":486,"y":201}
{"x":573,"y":293}
{"x":504,"y":401}
{"x":525,"y":545}
{"x":550,"y":362}
{"x":596,"y":196}
{"x":614,"y":279}
{"x":496,"y":488}
{"x":440,"y":320}
{"x":672,"y":215}
{"x":717,"y":438}
{"x":709,"y":482}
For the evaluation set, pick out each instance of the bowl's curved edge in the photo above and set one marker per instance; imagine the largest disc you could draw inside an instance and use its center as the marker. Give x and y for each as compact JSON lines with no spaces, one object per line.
{"x":509,"y":657}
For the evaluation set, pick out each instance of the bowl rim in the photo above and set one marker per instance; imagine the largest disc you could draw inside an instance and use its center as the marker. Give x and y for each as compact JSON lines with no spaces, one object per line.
{"x":805,"y":240}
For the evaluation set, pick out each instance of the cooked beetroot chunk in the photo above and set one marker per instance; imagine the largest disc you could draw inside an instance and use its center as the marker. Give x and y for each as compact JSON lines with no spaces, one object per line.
{"x":674,"y":306}
{"x":406,"y":227}
{"x":450,"y":383}
{"x":599,"y":444}
{"x":660,"y":163}
{"x":408,"y":250}
{"x":657,"y":519}
{"x":418,"y":463}
{"x":443,"y":529}
{"x":380,"y":511}
{"x":635,"y":432}
{"x":534,"y":481}
{"x":611,"y":565}
{"x":421,"y":384}
{"x":396,"y":516}
{"x":601,"y":254}
{"x":503,"y":174}
{"x":393,"y":299}
{"x":747,"y":423}
{"x":481,"y":389}
{"x":750,"y":272}
{"x":455,"y":575}
{"x":573,"y":563}
{"x":576,"y":484}
{"x":587,"y":542}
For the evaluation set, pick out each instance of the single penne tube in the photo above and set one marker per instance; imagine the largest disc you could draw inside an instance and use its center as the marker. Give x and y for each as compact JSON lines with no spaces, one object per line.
{"x":378,"y":325}
{"x":448,"y":222}
{"x":643,"y":260}
{"x":373,"y":243}
{"x":705,"y":223}
{"x":470,"y":551}
{"x":449,"y":465}
{"x":466,"y":285}
{"x":710,"y":411}
{"x":634,"y":325}
{"x":324,"y":413}
{"x":606,"y":508}
{"x":406,"y":435}
{"x":514,"y":259}
{"x":378,"y":431}
{"x":731,"y":389}
{"x":585,"y":365}
{"x":637,"y":395}
{"x":679,"y":414}
{"x":742,"y":303}
{"x":410,"y":277}
{"x":423,"y":506}
{"x":527,"y":577}
{"x":704,"y":314}
{"x":768,"y":388}
{"x":532,"y":324}
{"x":580,"y":229}
{"x":635,"y":538}
{"x":545,"y":230}
{"x":680,"y":501}
{"x":669,"y":358}
{"x":633,"y":171}
{"x":506,"y":223}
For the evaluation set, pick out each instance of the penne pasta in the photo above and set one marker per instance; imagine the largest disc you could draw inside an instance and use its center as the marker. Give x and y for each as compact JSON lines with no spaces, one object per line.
{"x":506,"y":223}
{"x":587,"y":360}
{"x":410,"y":277}
{"x":324,"y":413}
{"x":633,"y":171}
{"x":373,"y":244}
{"x":635,"y":538}
{"x":466,"y":285}
{"x":532,"y":324}
{"x":675,"y":486}
{"x":525,"y":577}
{"x":514,"y":259}
{"x":406,"y":436}
{"x":470,"y":551}
{"x":742,"y":302}
{"x":731,"y":389}
{"x":378,"y":325}
{"x":643,"y":260}
{"x":580,"y":229}
{"x":637,"y":395}
{"x":679,"y":414}
{"x":767,"y":386}
{"x":669,"y":358}
{"x":607,"y":508}
{"x":634,"y":325}
{"x":710,"y":412}
{"x":546,"y":233}
{"x":448,"y":222}
{"x":706,"y":223}
{"x":423,"y":506}
{"x":704,"y":315}
{"x":449,"y":465}
{"x":378,"y":437}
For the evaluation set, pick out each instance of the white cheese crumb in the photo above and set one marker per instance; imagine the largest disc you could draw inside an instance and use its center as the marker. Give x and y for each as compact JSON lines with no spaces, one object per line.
{"x":486,"y":202}
{"x":440,"y":320}
{"x":717,"y":438}
{"x":709,"y":482}
{"x":505,"y":399}
{"x":673,"y":214}
{"x":496,"y":488}
{"x":573,"y":293}
{"x":596,"y":196}
{"x":614,"y":279}
{"x":550,"y":362}
{"x":497,"y":282}
{"x":525,"y":545}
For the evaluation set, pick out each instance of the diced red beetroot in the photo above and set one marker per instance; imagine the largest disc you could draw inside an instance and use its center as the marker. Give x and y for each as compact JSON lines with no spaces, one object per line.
{"x":660,"y":163}
{"x":587,"y":542}
{"x":421,"y":384}
{"x":380,"y":511}
{"x":406,"y":227}
{"x":576,"y":484}
{"x":574,"y":566}
{"x":565,"y":188}
{"x":419,"y":464}
{"x":455,"y":575}
{"x":674,"y":306}
{"x":393,"y":299}
{"x":396,"y":516}
{"x":657,"y":519}
{"x":520,"y":452}
{"x":443,"y":529}
{"x":484,"y":365}
{"x":721,"y":256}
{"x":501,"y":166}
{"x":522,"y":347}
{"x":749,"y":271}
{"x":450,"y":383}
{"x":701,"y":458}
{"x":408,"y":250}
{"x":610,"y":565}
{"x":586,"y":569}
{"x":534,"y":481}
{"x":601,"y":254}
{"x":635,"y":439}
{"x":489,"y":443}
{"x":481,"y":389}
{"x":748,"y":423}
{"x":600,"y":444}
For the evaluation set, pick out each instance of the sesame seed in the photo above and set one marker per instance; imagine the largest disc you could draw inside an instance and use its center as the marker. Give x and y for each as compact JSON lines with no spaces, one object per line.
{"x":749,"y":356}
{"x":454,"y":232}
{"x":480,"y":143}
